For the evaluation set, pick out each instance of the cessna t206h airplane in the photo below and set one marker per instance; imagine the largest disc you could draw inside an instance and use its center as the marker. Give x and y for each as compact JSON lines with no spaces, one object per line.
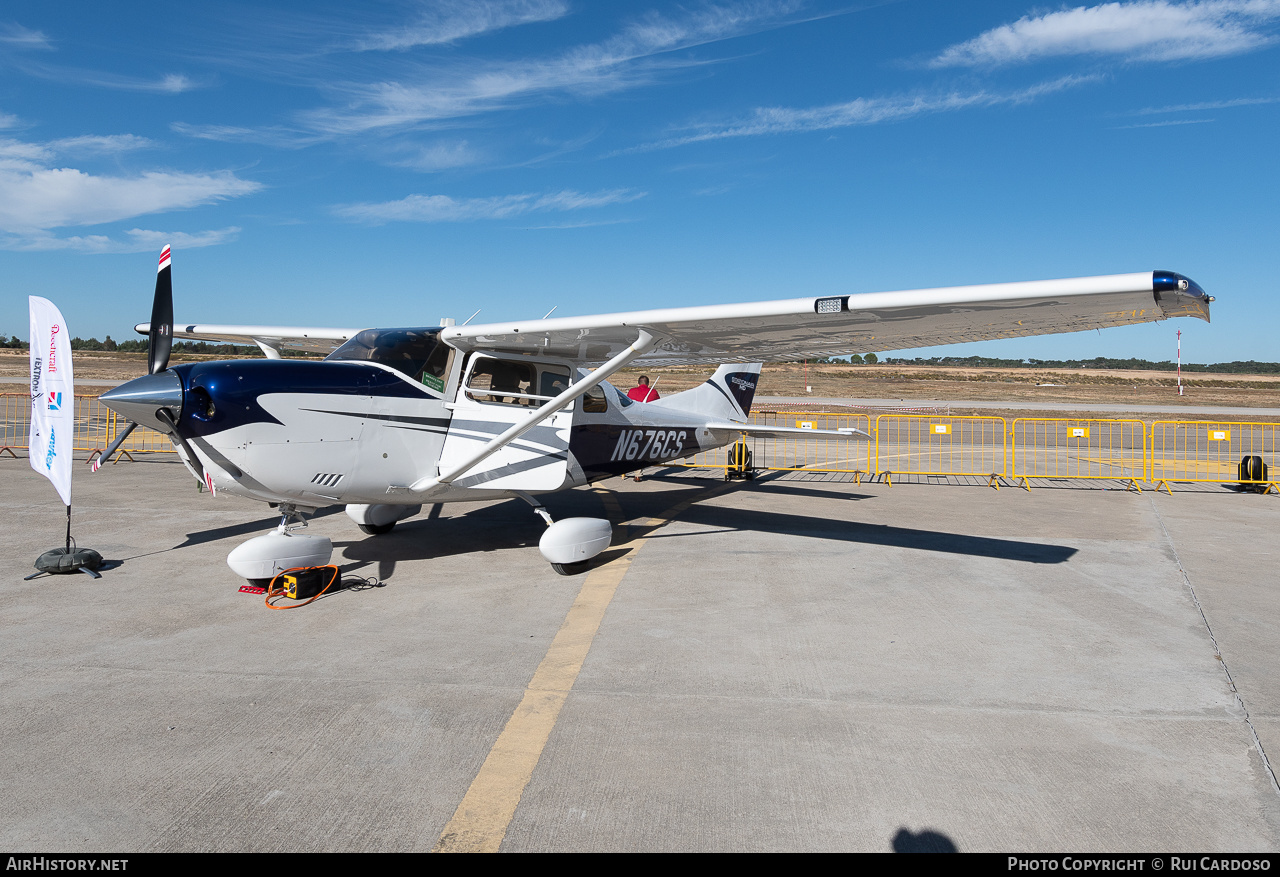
{"x":397,"y":417}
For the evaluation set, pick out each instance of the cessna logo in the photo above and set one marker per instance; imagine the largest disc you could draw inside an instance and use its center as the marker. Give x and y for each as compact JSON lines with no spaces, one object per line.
{"x":649,"y":444}
{"x":55,"y":401}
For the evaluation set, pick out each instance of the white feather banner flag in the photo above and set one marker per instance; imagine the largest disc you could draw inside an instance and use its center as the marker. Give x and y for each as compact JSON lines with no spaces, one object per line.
{"x":53,"y":401}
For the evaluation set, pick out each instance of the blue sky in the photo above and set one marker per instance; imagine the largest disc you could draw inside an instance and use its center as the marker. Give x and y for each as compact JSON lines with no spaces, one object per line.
{"x":344,"y":164}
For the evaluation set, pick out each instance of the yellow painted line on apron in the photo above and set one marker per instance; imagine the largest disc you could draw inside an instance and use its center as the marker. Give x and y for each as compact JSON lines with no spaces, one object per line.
{"x":480,"y":822}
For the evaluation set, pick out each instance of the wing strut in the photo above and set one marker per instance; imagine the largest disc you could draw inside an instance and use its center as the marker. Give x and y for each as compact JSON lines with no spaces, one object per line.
{"x":642,"y":345}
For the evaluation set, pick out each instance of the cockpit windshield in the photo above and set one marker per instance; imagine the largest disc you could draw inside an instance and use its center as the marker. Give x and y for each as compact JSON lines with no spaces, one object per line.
{"x":416,"y":353}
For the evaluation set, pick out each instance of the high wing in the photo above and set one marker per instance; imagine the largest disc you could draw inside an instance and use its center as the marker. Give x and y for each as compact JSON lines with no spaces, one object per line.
{"x":803,"y":328}
{"x":800,"y":328}
{"x":269,"y":338}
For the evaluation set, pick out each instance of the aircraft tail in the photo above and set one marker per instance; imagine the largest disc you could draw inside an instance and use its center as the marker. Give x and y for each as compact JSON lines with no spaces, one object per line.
{"x":728,"y":393}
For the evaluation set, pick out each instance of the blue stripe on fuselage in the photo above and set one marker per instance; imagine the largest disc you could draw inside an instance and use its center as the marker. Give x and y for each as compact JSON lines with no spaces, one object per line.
{"x":234,"y":387}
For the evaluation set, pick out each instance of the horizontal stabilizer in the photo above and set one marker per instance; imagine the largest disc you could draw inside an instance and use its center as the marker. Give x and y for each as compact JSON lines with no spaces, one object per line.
{"x":766,"y":431}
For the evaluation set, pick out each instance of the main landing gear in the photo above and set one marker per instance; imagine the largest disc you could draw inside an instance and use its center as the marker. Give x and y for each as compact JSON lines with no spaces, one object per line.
{"x":569,"y":543}
{"x":380,"y":518}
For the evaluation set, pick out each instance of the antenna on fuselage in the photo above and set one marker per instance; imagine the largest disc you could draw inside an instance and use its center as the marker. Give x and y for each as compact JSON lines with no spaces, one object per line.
{"x":472,"y":317}
{"x":550,"y":312}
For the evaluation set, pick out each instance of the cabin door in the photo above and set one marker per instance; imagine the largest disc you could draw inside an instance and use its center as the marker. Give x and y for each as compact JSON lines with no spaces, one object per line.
{"x":494,"y":394}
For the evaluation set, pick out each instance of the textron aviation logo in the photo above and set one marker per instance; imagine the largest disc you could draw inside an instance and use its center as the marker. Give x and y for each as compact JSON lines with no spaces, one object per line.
{"x":55,"y":401}
{"x":35,"y":378}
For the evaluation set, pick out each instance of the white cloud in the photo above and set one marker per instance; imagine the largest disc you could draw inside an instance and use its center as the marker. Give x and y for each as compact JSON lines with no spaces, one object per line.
{"x":1147,"y":30}
{"x":454,"y":21}
{"x":139,"y":240}
{"x":37,"y":198}
{"x":442,"y":208}
{"x":43,"y":198}
{"x":863,"y":111}
{"x":19,"y":155}
{"x":461,"y":89}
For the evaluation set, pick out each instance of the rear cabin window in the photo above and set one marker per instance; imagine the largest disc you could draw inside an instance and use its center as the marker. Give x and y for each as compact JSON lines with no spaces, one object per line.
{"x":512,"y":382}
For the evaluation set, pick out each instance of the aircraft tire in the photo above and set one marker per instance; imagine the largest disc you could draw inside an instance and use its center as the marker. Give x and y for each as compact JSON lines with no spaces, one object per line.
{"x":376,"y":529}
{"x":570,"y":569}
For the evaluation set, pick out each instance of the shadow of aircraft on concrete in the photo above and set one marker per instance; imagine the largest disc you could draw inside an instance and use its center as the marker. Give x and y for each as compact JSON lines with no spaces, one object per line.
{"x":510,"y":525}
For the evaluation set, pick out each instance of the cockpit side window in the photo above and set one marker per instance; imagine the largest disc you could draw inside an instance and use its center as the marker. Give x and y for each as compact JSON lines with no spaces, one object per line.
{"x":415,"y":353}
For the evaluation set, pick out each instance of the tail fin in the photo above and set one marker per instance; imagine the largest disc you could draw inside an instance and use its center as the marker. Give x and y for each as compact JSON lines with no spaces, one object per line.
{"x":727,"y":394}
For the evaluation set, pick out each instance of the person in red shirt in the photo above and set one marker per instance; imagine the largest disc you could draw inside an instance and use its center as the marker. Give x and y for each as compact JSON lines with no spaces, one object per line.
{"x":642,"y":392}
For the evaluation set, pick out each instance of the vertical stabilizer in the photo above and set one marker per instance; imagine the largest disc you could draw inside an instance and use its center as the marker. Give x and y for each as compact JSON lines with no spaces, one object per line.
{"x":726,"y":394}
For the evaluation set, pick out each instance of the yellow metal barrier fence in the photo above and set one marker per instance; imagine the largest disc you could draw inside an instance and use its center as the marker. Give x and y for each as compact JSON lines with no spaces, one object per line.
{"x":1212,"y":451}
{"x":935,"y":444}
{"x":96,"y":426}
{"x":798,"y":453}
{"x":795,"y":453}
{"x":1096,"y":449}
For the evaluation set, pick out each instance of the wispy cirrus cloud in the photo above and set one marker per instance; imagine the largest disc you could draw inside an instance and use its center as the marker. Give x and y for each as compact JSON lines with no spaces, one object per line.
{"x":12,"y":34}
{"x":137,"y":240}
{"x":463,"y":88}
{"x":1145,"y":30}
{"x":442,"y":208}
{"x":1167,"y":124}
{"x":170,"y":83}
{"x":1206,"y":105}
{"x":449,"y":22}
{"x":24,"y":156}
{"x":100,"y":144}
{"x":765,"y":121}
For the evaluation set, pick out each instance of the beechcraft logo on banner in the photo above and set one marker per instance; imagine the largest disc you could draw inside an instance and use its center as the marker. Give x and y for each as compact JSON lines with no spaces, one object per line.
{"x":55,"y":401}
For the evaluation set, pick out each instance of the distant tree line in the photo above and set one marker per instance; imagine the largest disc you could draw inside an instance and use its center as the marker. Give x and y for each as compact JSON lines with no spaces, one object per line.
{"x":139,"y":345}
{"x":1102,"y":362}
{"x":852,"y":359}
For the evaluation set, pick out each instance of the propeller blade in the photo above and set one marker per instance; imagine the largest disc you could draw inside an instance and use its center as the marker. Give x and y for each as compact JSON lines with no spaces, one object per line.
{"x":160,"y":340}
{"x":164,"y":415}
{"x":111,"y":448}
